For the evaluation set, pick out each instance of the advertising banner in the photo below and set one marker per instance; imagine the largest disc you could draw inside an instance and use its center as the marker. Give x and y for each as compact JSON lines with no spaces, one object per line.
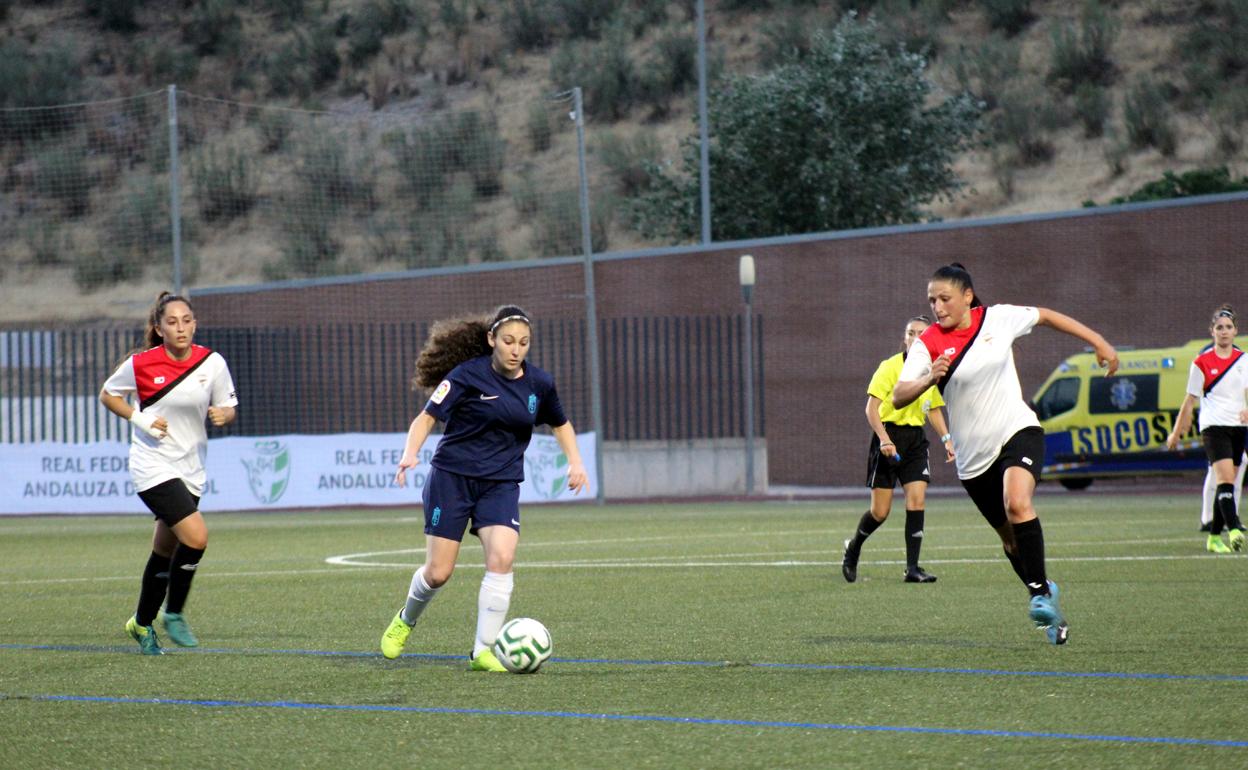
{"x":259,"y":473}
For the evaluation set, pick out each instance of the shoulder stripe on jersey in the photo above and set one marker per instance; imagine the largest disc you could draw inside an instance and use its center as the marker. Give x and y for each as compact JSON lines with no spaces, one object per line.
{"x":953,"y":365}
{"x":158,"y":395}
{"x":1209,"y":385}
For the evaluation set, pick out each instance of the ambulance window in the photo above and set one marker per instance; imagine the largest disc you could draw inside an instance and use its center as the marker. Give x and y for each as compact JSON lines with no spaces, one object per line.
{"x":1060,"y":397}
{"x":1123,"y":393}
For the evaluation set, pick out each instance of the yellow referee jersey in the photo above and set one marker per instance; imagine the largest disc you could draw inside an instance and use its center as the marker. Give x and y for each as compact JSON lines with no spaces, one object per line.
{"x":882,"y":384}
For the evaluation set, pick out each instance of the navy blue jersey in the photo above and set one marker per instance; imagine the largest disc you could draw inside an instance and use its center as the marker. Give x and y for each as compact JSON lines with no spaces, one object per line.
{"x":489,"y":418}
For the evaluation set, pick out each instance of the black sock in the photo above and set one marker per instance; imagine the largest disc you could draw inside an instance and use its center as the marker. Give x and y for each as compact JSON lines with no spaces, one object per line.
{"x":1224,"y":503}
{"x":1017,"y":565}
{"x":914,"y":537}
{"x":866,"y":525}
{"x":1216,"y":525}
{"x":181,"y":571}
{"x":1030,"y":542}
{"x":152,"y":589}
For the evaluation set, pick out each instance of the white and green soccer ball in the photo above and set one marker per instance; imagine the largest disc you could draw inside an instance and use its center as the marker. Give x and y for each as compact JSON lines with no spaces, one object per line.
{"x":522,"y":646}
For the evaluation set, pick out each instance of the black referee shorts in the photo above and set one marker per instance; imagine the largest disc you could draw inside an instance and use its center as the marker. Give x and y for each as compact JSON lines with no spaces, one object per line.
{"x":908,"y":441}
{"x":1224,"y":442}
{"x":170,"y":501}
{"x":1025,"y":449}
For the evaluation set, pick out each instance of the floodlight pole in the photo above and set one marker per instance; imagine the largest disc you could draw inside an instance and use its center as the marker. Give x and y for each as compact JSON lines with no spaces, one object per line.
{"x":175,"y":193}
{"x":704,"y":162}
{"x":591,"y":302}
{"x":745,"y":272}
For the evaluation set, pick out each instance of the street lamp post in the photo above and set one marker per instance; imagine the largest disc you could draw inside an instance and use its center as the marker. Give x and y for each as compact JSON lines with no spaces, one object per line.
{"x":746,"y":274}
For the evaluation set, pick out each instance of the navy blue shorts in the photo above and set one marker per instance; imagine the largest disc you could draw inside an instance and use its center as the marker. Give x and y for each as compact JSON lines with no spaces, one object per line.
{"x":452,"y":501}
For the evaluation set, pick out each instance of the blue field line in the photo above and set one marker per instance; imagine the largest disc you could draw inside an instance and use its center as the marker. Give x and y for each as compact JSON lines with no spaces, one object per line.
{"x":753,"y":723}
{"x":130,"y":649}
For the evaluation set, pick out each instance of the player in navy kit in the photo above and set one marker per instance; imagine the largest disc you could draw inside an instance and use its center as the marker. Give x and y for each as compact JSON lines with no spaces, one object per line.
{"x":968,"y":354}
{"x":490,"y":398}
{"x":177,"y":384}
{"x":1218,"y":379}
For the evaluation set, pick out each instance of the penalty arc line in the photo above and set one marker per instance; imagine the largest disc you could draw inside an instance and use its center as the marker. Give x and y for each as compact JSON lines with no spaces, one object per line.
{"x":684,"y":720}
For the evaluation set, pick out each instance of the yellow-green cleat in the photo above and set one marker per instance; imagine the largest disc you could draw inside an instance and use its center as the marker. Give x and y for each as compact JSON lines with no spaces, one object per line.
{"x":395,"y":637}
{"x":485,"y":661}
{"x":145,"y":636}
{"x":1215,"y":545}
{"x":1237,"y":539}
{"x":178,"y":629}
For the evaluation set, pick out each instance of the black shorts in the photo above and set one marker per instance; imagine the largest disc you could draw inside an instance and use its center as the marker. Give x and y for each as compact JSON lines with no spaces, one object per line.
{"x":1025,"y":449}
{"x":1224,"y":442}
{"x":911,"y":443}
{"x":170,"y":501}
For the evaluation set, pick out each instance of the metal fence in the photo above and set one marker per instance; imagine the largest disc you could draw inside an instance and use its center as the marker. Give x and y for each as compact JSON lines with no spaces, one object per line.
{"x":666,"y":378}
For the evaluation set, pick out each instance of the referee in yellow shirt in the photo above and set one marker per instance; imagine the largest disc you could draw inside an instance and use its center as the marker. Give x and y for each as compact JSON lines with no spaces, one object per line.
{"x":898,"y":453}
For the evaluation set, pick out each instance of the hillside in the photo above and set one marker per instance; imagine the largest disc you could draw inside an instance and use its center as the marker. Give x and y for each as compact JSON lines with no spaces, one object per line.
{"x":1086,"y":102}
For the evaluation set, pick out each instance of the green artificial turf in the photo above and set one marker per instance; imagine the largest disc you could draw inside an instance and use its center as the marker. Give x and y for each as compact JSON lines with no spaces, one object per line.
{"x":701,"y":635}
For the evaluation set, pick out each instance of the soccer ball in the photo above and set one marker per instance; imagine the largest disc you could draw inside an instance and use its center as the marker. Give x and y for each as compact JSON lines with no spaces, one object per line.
{"x":522,"y":646}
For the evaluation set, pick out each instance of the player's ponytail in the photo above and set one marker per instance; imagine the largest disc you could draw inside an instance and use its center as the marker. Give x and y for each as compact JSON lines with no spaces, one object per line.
{"x":451,"y":342}
{"x":957,"y":275}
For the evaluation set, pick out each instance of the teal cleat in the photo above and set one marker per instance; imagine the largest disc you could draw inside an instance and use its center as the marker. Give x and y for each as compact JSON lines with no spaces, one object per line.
{"x":178,"y":629}
{"x":1046,"y":614}
{"x":145,"y":636}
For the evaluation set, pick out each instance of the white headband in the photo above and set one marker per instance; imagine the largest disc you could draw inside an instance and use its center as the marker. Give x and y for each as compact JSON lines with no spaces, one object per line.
{"x":502,"y":321}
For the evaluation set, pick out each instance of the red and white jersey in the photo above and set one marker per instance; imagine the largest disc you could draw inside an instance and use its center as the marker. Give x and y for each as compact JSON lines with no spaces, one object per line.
{"x":181,"y":392}
{"x":982,"y":394}
{"x":1219,"y":383}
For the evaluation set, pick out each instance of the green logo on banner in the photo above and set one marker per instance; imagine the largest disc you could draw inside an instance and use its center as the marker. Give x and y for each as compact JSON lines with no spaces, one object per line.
{"x":268,"y":470}
{"x":547,"y":468}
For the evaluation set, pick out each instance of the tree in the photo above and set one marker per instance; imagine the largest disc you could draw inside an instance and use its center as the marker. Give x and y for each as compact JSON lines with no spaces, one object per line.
{"x":844,"y":136}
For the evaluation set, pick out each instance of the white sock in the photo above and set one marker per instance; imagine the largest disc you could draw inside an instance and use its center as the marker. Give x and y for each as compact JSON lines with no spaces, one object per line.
{"x":1239,"y":480}
{"x":1206,"y":497}
{"x":418,"y":597}
{"x":1211,"y":487}
{"x":492,"y":603}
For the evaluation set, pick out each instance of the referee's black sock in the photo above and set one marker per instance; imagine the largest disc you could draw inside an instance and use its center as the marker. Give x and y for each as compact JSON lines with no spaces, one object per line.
{"x":914,"y":537}
{"x":181,"y":571}
{"x":1029,"y":538}
{"x":866,"y":525}
{"x":1225,"y":503}
{"x":152,"y":589}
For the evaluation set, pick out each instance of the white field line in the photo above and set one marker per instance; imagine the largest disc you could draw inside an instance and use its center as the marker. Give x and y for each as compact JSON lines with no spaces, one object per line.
{"x":622,"y":564}
{"x":355,"y":559}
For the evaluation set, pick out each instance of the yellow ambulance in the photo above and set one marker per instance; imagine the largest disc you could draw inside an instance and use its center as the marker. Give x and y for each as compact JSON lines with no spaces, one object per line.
{"x":1099,"y":427}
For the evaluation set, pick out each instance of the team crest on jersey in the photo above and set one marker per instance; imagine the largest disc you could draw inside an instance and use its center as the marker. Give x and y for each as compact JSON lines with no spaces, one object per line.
{"x":532,"y":404}
{"x":439,"y":393}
